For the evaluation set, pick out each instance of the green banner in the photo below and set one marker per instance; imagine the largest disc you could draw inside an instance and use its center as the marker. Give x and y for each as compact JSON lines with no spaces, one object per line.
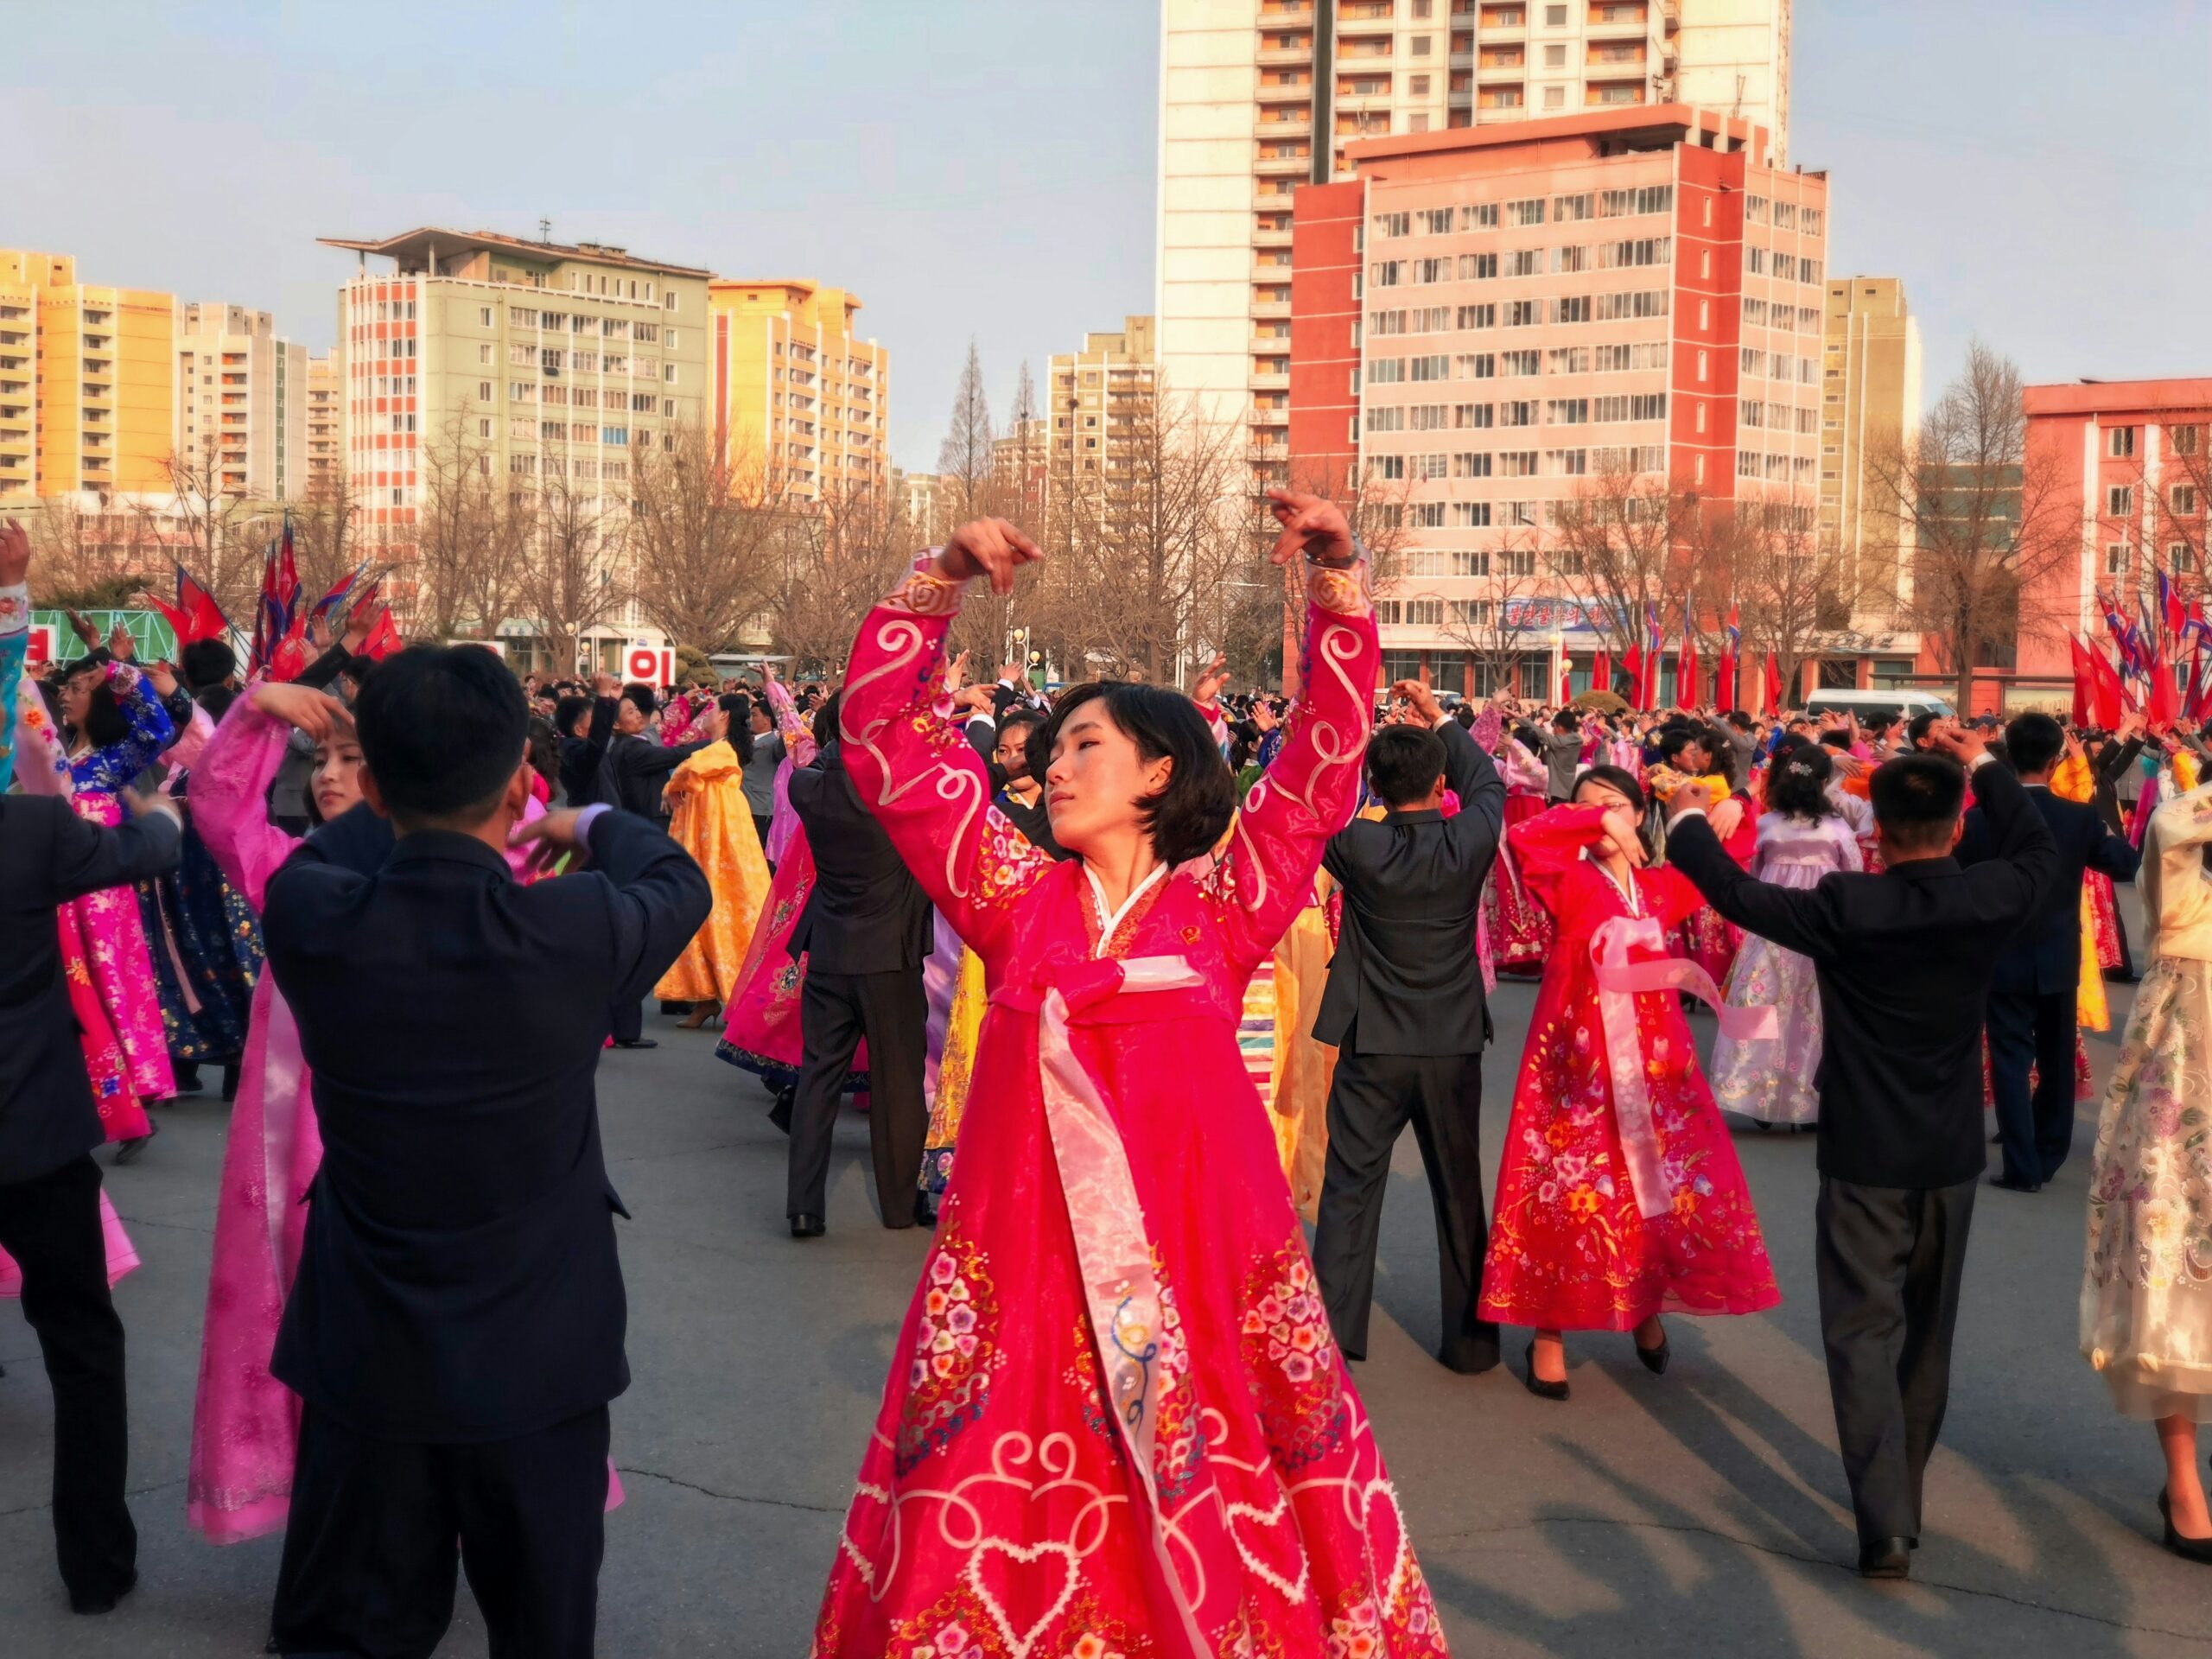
{"x":152,"y":639}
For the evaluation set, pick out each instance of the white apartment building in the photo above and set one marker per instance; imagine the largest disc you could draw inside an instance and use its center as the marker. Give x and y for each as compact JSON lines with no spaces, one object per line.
{"x":240,"y":404}
{"x":1258,"y":96}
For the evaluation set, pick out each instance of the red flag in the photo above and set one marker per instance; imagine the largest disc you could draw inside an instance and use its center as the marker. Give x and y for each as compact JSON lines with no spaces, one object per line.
{"x":1601,"y":670}
{"x":2165,"y":705}
{"x":2084,"y":676}
{"x":195,"y":615}
{"x":384,"y":637}
{"x":2107,"y":696}
{"x":1632,"y":665}
{"x":1686,"y":667}
{"x":2192,"y":705}
{"x":1773,"y":688}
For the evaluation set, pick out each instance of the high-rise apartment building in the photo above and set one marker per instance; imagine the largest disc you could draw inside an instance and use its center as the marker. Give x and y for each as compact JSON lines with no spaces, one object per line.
{"x":240,"y":415}
{"x":1258,"y":96}
{"x":100,"y":412}
{"x":1488,"y":322}
{"x":1098,"y":399}
{"x":1021,"y":470}
{"x":550,"y":361}
{"x":322,"y":424}
{"x":1870,"y":400}
{"x":797,"y":397}
{"x":922,"y":498}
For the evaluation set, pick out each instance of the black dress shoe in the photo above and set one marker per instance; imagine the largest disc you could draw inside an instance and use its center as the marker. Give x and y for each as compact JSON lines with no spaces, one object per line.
{"x":1536,"y":1385}
{"x":780,"y":1113}
{"x":925,"y":1210}
{"x":2189,"y":1549}
{"x":1885,"y":1558}
{"x":2011,"y":1186}
{"x":1655,"y":1359}
{"x":808,"y":1227}
{"x":126,"y":1152}
{"x":103,"y":1603}
{"x":638,"y":1042}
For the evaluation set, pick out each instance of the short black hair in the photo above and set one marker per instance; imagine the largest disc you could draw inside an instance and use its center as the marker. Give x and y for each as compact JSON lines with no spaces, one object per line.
{"x":2035,"y":742}
{"x":1835,"y":738}
{"x":1915,"y":731}
{"x":1568,"y":719}
{"x":1188,"y":816}
{"x":204,"y":663}
{"x":1403,"y":763}
{"x":643,"y":697}
{"x":1740,"y":721}
{"x":442,"y":729}
{"x":1916,"y":800}
{"x":567,"y":711}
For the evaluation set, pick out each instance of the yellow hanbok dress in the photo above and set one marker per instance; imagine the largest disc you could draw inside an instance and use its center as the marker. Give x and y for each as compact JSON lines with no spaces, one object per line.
{"x":712,"y":823}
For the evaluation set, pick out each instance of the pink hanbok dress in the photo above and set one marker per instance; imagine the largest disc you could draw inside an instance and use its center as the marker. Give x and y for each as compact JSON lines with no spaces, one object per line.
{"x":1116,"y":1421}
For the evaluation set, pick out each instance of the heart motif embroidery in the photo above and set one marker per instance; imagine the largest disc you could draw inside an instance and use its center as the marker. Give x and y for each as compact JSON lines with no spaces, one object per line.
{"x":864,"y":1496}
{"x":1394,"y":1543}
{"x":1022,"y":1556}
{"x":1293,"y":1590}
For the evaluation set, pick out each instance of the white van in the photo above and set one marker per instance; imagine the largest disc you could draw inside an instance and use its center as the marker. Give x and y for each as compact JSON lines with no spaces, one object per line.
{"x":1903,"y":702}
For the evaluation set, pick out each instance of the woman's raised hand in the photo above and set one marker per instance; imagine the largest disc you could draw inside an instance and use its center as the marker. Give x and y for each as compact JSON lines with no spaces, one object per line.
{"x":989,"y":547}
{"x":1313,"y":526}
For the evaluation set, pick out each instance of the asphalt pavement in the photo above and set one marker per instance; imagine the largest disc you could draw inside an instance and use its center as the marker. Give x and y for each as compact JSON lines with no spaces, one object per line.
{"x":1700,"y":1513}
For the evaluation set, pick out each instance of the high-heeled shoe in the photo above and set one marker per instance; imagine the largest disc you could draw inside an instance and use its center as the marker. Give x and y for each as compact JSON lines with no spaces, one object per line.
{"x":2189,"y":1549}
{"x":1655,"y":1359}
{"x":1537,"y":1386}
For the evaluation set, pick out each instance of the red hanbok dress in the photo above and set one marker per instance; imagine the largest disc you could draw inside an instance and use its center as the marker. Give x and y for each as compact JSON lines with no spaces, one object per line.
{"x":1571,"y":1245}
{"x":1115,"y":1421}
{"x":1519,"y":927}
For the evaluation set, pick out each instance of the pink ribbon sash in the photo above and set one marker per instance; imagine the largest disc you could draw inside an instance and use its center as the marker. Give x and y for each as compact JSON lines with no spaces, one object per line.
{"x":1121,"y":1291}
{"x":1619,"y":981}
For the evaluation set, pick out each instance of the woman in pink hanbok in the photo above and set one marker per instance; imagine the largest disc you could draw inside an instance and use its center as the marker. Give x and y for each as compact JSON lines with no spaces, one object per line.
{"x":244,"y":1422}
{"x":1519,"y":927}
{"x":1116,"y":1422}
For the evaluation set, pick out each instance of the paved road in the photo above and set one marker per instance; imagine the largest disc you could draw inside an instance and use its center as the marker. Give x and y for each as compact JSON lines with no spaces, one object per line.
{"x":1703,"y":1513}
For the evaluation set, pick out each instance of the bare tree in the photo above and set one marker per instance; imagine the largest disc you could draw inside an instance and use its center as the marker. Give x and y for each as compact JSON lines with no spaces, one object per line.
{"x":1622,"y":550}
{"x":1507,"y":615}
{"x":704,"y":533}
{"x":1797,"y":588}
{"x":1988,"y":526}
{"x":468,"y":533}
{"x":964,"y":459}
{"x":570,"y":565}
{"x":327,"y":539}
{"x":218,"y":543}
{"x":2155,"y":520}
{"x":831,"y":565}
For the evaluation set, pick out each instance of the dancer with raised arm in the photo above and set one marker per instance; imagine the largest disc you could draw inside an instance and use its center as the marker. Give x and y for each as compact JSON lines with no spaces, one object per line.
{"x":1116,"y":1419}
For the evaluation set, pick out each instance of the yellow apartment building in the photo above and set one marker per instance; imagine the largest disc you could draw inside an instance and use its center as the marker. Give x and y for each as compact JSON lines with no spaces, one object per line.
{"x":1870,"y":398}
{"x":797,"y":397}
{"x":1098,"y":395}
{"x":101,"y":408}
{"x":322,"y":425}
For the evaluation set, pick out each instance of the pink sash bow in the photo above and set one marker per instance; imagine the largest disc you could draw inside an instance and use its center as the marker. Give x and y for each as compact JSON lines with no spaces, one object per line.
{"x":1121,"y":1291}
{"x":1619,"y":981}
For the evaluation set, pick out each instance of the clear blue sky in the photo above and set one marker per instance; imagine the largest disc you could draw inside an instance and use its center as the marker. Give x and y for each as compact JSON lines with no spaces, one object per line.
{"x":2036,"y":170}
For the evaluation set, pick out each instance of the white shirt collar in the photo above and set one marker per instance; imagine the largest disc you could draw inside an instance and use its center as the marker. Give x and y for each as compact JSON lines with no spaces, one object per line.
{"x":1108,"y":921}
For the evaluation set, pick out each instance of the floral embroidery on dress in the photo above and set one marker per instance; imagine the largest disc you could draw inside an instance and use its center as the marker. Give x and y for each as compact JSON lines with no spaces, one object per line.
{"x":1179,"y":1445}
{"x":956,"y":1351}
{"x":1295,"y":1373}
{"x":967,"y":1622}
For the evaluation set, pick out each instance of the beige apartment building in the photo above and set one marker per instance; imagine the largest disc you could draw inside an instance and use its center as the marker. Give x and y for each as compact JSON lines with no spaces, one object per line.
{"x":322,"y":424}
{"x":549,"y":361}
{"x":1870,"y":398}
{"x":87,"y":381}
{"x":1258,"y":96}
{"x":240,"y":412}
{"x":1097,"y":398}
{"x":797,"y":397}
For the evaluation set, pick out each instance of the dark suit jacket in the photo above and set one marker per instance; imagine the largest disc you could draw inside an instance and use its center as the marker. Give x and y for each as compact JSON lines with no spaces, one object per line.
{"x":1405,"y":979}
{"x":48,"y":856}
{"x":582,"y":757}
{"x":867,"y":913}
{"x":2046,"y":957}
{"x":2111,"y":764}
{"x":458,"y":1281}
{"x":635,"y":772}
{"x":1904,"y":961}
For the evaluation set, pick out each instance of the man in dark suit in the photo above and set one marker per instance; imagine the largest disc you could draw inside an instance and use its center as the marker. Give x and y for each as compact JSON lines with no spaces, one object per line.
{"x":455,"y":1330}
{"x":632,"y":775}
{"x":865,"y":932}
{"x":1904,"y":961}
{"x":586,"y":726}
{"x":1404,"y":1008}
{"x":2110,"y":760}
{"x":2032,"y":1003}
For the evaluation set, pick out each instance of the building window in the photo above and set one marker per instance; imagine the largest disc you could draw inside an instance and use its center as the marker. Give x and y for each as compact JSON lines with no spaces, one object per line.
{"x":2186,"y":440}
{"x":2116,"y":559}
{"x":1555,"y":97}
{"x":1555,"y":57}
{"x":2119,"y":501}
{"x":2184,"y":499}
{"x":2119,"y":442}
{"x":2178,"y":559}
{"x":1554,"y":16}
{"x":484,"y":316}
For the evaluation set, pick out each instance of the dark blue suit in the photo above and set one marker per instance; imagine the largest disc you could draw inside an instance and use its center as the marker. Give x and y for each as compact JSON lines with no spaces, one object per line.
{"x":2032,"y":1001}
{"x":456,"y":1327}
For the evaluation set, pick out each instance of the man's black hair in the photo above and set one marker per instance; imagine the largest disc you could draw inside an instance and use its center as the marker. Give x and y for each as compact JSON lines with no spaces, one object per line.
{"x":1916,"y":800}
{"x":568,"y":712}
{"x":442,"y":729}
{"x":1187,"y":816}
{"x":2034,"y":742}
{"x":1403,"y":763}
{"x":1836,"y":738}
{"x":204,"y":663}
{"x":1567,"y":720}
{"x":1917,"y":729}
{"x":643,"y":697}
{"x":1740,"y":721}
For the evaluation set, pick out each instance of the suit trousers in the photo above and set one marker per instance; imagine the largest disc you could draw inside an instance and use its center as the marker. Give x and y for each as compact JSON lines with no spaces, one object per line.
{"x":1370,"y":1101}
{"x":1888,"y":1260}
{"x":629,"y":1023}
{"x":368,"y":1559}
{"x":835,"y":1011}
{"x":2028,"y":1028}
{"x":51,"y":1225}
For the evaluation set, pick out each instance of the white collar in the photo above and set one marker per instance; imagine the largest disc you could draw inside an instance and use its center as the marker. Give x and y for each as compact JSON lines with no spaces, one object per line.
{"x":1631,"y":895}
{"x":1108,"y":922}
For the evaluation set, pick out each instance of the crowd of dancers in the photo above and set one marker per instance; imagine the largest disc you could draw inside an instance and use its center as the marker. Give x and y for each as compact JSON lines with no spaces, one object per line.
{"x":1128,"y":982}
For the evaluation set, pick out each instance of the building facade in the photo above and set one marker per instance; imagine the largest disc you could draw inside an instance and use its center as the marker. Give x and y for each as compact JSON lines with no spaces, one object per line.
{"x":323,"y":450}
{"x":2130,"y":462}
{"x":1259,"y":97}
{"x":798,"y":398}
{"x":1097,"y":398}
{"x":543,"y":361}
{"x":99,"y":412}
{"x":1870,"y":400}
{"x":240,"y":413}
{"x":1488,"y":321}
